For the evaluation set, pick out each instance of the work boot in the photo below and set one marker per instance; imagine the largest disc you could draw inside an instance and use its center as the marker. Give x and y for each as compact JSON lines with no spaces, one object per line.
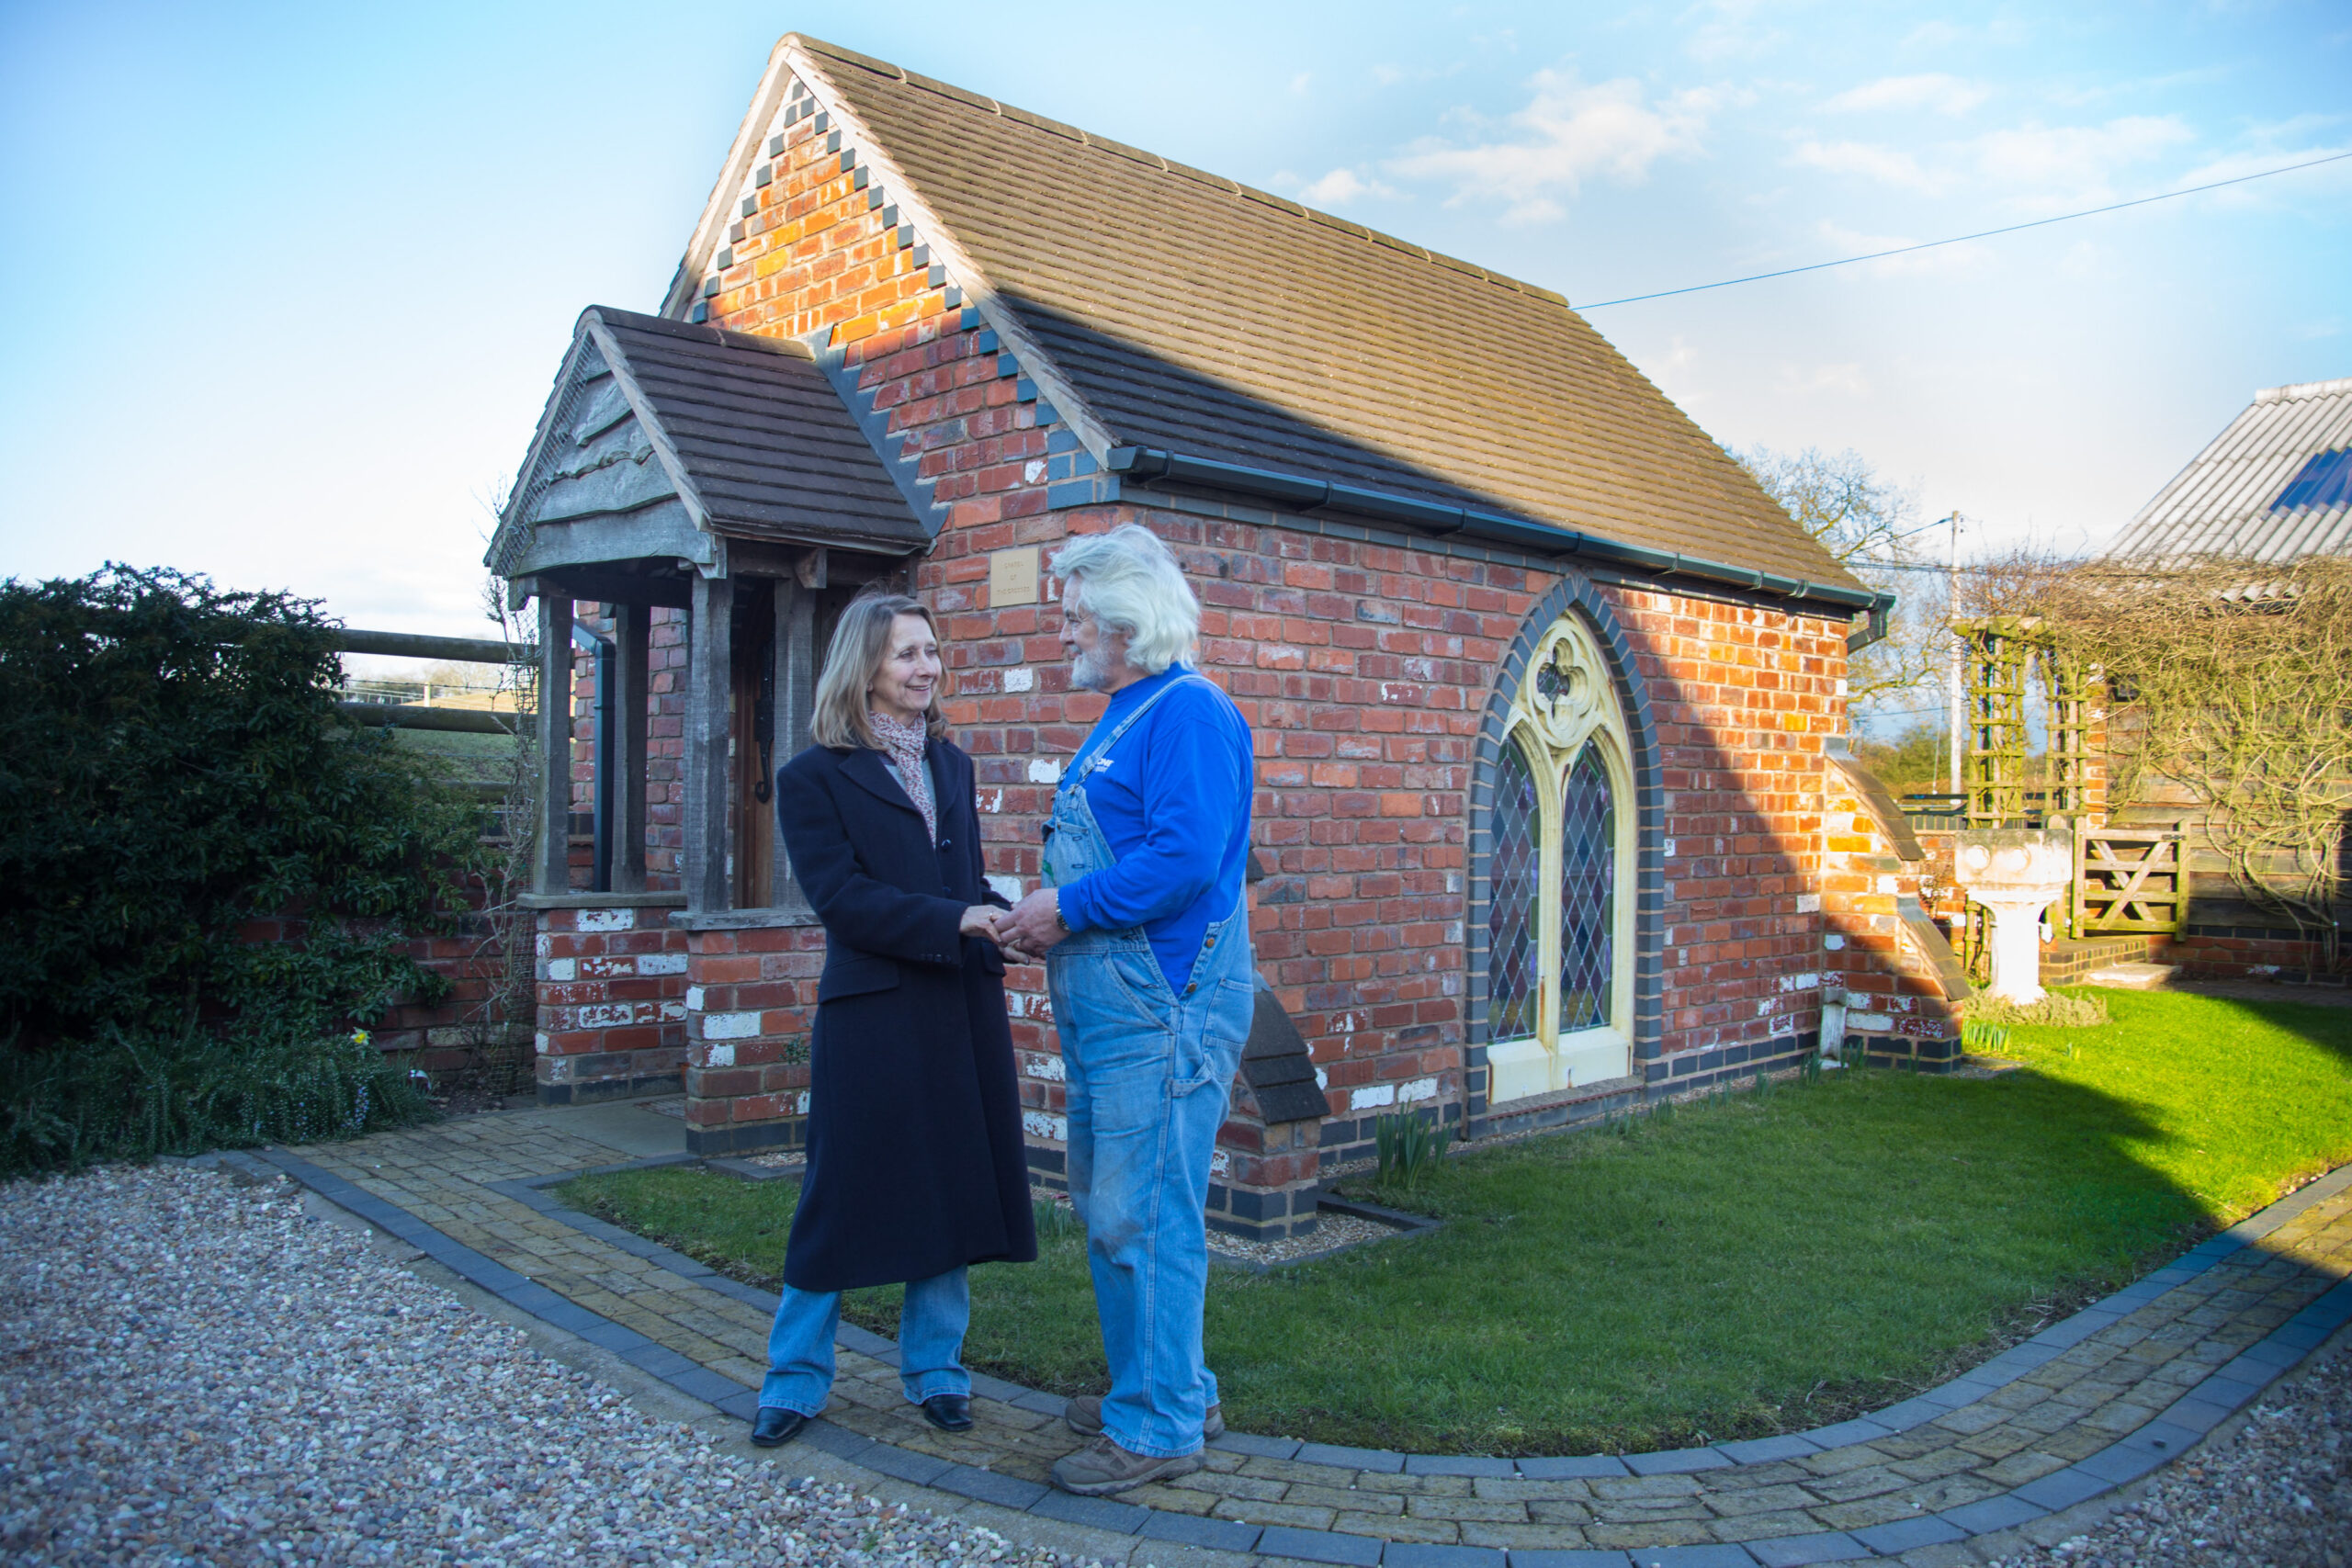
{"x":1102,"y":1466}
{"x":1084,"y":1417}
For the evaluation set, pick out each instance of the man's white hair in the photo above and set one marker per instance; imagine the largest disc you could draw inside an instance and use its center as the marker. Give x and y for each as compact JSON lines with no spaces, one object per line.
{"x":1129,"y":581}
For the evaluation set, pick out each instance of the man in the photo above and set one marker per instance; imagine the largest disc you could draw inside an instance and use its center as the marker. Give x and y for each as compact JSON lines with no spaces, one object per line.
{"x":1146,"y":939}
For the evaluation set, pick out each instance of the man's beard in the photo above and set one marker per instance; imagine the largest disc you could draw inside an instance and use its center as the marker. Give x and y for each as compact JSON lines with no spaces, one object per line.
{"x":1089,"y":672}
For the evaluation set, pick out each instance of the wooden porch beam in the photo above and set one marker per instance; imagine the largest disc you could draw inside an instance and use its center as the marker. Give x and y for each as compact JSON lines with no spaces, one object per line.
{"x":553,"y":870}
{"x":795,"y":691}
{"x":633,"y":644}
{"x":708,"y":778}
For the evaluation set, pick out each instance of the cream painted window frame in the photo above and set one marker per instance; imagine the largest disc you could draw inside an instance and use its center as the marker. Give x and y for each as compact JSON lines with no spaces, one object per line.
{"x":1551,"y":729}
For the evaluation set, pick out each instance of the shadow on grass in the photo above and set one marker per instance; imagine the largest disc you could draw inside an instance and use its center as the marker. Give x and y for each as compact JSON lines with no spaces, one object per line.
{"x":1767,"y":1262}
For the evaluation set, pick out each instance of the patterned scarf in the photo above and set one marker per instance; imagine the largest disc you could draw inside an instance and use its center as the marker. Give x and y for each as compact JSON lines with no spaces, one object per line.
{"x":902,"y":743}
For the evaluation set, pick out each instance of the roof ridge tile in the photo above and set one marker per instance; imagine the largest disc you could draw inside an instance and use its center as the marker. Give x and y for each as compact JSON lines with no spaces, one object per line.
{"x":1039,"y":122}
{"x":847,"y":56}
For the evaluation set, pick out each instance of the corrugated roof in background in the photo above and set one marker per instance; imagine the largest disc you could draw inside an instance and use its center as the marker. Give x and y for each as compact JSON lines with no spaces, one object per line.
{"x":2229,"y":500}
{"x":1195,"y":315}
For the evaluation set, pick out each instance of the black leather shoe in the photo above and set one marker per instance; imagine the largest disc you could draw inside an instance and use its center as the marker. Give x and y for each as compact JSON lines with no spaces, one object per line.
{"x":775,"y":1426}
{"x":948,"y":1412}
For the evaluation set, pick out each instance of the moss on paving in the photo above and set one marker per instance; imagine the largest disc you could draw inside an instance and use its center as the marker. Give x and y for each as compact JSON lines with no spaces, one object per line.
{"x":1757,"y":1263}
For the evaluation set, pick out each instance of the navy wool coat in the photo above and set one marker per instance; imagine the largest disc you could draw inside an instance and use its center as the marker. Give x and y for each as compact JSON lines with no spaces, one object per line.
{"x":916,"y":1162}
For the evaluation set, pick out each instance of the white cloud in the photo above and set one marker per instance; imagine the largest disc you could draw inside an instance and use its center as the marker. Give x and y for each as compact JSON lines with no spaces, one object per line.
{"x":1935,"y":90}
{"x":2088,"y":261}
{"x":1932,"y":35}
{"x":1839,"y":241}
{"x":1885,"y":165}
{"x":2301,"y":185}
{"x":1844,"y":379}
{"x":1339,"y":186}
{"x":2060,"y":166}
{"x":1298,"y":83}
{"x":1568,"y":133}
{"x":1727,"y":30}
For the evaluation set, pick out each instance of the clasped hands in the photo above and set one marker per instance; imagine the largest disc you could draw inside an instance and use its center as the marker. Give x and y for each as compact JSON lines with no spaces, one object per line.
{"x":1026,"y":931}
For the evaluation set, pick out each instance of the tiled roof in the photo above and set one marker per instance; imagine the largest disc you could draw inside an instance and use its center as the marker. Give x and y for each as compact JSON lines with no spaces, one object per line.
{"x":743,"y":433}
{"x":1195,"y":315}
{"x":2269,"y":488}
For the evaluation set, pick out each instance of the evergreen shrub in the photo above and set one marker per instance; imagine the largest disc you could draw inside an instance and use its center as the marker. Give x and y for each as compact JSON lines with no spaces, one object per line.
{"x":173,"y":769}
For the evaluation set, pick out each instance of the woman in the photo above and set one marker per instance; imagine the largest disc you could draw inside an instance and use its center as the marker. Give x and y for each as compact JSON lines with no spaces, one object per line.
{"x":916,"y":1164}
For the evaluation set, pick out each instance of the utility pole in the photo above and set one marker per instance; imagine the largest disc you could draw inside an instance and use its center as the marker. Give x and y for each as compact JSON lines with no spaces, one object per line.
{"x":1951,"y":666}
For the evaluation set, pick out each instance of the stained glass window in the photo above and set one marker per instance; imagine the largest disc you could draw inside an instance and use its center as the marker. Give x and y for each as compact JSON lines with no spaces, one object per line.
{"x":1512,"y":969}
{"x":1588,"y":892}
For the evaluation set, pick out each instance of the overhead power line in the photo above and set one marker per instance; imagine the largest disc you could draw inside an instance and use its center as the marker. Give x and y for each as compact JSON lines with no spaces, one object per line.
{"x":1962,"y":239}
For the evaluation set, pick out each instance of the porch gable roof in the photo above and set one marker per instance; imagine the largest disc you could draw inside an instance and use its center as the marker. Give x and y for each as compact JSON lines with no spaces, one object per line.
{"x":664,"y":439}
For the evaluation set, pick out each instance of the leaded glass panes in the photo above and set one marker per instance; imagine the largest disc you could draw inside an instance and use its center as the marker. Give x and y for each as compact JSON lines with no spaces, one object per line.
{"x":1513,"y":978}
{"x":1588,"y":892}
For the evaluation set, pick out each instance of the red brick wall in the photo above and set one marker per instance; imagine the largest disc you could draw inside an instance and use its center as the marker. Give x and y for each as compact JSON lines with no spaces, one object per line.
{"x":1743,"y":699}
{"x":752,"y":999}
{"x":444,"y":1034}
{"x":612,"y":1002}
{"x":1890,"y":986}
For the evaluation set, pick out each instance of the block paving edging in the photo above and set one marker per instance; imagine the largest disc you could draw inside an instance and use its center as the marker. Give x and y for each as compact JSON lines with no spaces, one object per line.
{"x":2185,"y":1421}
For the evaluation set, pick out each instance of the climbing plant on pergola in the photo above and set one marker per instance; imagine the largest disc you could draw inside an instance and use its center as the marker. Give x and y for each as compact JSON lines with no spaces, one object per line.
{"x":2231,"y":678}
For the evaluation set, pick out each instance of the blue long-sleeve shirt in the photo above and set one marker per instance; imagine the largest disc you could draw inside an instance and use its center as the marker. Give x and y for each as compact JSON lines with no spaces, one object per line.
{"x":1173,"y":800}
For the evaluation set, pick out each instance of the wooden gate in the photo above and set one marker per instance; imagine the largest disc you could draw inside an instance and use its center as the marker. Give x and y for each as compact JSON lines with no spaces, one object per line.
{"x":2129,"y":879}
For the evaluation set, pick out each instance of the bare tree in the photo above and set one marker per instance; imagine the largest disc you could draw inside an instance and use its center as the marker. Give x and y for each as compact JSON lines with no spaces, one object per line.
{"x":1869,"y":526}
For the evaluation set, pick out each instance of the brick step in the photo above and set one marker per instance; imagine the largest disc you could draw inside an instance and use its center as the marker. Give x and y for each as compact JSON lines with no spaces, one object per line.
{"x":2068,"y":962}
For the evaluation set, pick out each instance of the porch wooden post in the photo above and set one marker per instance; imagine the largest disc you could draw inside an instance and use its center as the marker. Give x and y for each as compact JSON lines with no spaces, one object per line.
{"x":553,"y":873}
{"x":796,"y":693}
{"x":633,"y":636}
{"x":709,"y":779}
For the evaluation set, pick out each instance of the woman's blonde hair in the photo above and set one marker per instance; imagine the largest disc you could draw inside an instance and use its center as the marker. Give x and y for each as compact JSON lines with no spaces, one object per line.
{"x":1129,"y":581}
{"x":861,"y":641}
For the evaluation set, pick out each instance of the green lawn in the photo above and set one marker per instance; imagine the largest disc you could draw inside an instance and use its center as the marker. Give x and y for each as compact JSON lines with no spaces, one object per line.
{"x":1757,"y":1264}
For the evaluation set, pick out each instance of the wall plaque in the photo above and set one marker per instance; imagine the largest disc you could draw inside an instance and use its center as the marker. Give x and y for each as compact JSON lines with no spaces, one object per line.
{"x":1012,"y":578}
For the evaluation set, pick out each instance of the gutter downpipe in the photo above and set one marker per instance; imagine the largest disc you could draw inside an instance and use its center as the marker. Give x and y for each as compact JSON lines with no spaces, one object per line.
{"x":600,"y":877}
{"x":1307,"y":495}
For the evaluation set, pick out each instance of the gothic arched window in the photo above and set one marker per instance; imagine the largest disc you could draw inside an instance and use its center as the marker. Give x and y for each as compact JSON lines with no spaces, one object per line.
{"x":1559,"y":911}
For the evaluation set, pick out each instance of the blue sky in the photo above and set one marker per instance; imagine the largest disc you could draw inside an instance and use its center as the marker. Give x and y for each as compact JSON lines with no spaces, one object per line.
{"x":287,"y":285}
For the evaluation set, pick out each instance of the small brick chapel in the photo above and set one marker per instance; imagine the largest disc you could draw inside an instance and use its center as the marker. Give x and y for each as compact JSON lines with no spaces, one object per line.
{"x":1555,"y":812}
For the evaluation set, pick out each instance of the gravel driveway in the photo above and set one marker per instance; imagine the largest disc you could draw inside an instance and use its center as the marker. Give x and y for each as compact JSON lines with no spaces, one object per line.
{"x":2277,"y":1496}
{"x":193,"y":1371}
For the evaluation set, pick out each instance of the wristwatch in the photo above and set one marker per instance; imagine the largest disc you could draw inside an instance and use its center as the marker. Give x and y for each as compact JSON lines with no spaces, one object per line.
{"x":1060,"y":918}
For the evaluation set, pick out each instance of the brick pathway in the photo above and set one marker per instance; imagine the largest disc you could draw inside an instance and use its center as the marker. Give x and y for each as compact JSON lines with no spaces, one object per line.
{"x":2088,"y":1405}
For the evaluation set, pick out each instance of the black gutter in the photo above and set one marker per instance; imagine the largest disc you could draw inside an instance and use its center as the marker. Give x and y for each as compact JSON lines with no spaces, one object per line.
{"x":1429,"y":517}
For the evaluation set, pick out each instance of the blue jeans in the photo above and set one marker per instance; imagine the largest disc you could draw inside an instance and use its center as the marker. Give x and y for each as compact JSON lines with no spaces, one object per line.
{"x":930,"y":1341}
{"x":1147,"y":1076}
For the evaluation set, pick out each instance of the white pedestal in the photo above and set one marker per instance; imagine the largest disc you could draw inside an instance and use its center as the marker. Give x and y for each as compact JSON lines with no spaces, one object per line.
{"x":2016,"y":874}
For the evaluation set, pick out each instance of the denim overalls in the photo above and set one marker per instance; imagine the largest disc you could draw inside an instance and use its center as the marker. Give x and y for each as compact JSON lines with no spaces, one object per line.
{"x":1147,"y":1074}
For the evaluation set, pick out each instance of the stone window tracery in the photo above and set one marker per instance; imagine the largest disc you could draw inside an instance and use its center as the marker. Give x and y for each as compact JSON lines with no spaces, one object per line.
{"x":1559,"y":952}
